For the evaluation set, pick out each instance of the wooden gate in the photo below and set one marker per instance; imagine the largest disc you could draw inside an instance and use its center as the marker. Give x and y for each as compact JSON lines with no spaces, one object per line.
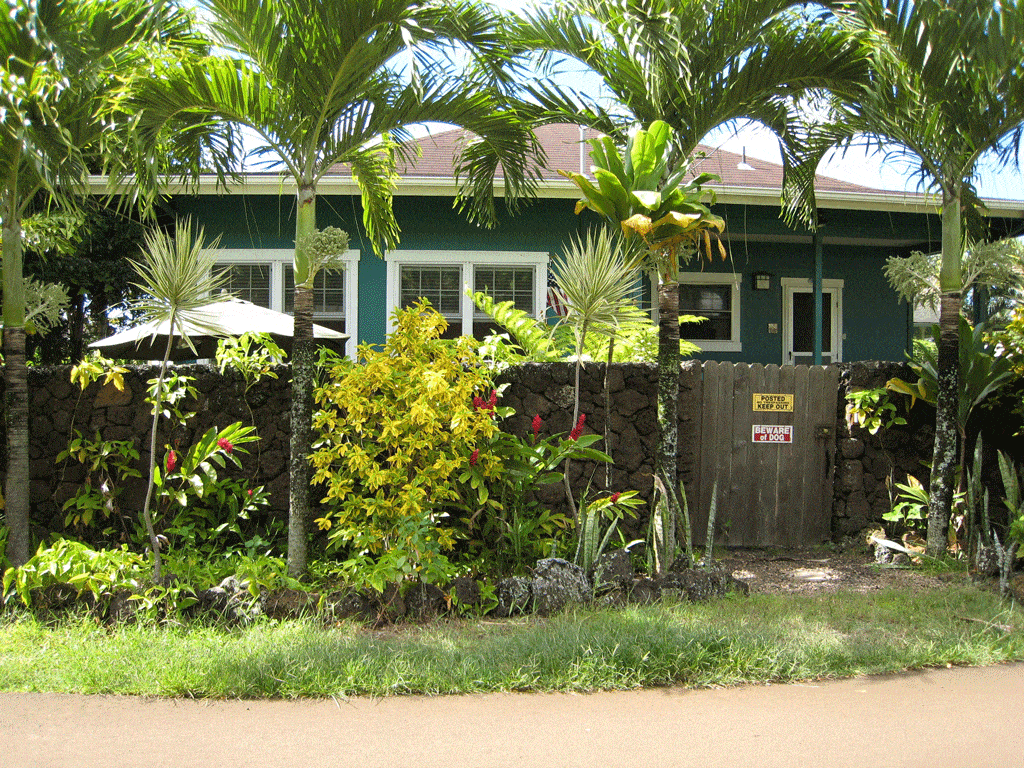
{"x":772,"y":457}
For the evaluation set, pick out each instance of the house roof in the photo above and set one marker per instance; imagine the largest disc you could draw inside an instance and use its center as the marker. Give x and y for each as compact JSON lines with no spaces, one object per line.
{"x":566,"y":149}
{"x":743,"y":180}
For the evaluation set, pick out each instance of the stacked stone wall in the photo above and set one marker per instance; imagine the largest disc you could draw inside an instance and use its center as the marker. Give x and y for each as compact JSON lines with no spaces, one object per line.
{"x":58,"y":408}
{"x":868,"y":465}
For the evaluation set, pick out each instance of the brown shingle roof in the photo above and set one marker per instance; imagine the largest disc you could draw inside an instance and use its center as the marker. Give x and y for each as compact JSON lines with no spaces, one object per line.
{"x":562,"y":144}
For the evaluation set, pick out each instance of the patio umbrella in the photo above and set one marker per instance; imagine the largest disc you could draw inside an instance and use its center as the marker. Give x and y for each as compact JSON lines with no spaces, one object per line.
{"x":232,"y":317}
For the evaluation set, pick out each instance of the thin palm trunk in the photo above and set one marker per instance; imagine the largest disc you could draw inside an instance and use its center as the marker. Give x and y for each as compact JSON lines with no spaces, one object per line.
{"x":667,"y":460}
{"x":16,"y":486}
{"x":16,"y":496}
{"x":303,"y":379}
{"x":299,"y":470}
{"x":944,"y":456}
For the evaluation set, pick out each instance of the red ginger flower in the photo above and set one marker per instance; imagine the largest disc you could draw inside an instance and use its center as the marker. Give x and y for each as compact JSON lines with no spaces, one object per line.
{"x":225,"y":445}
{"x":488,"y":405}
{"x":536,"y":426}
{"x":474,"y":457}
{"x":249,"y":492}
{"x":578,"y":429}
{"x":172,"y":460}
{"x":615,"y":497}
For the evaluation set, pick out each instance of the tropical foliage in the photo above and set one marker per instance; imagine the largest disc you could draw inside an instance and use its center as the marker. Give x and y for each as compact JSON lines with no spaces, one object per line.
{"x":667,"y":214}
{"x":324,"y":84}
{"x":945,"y":89}
{"x":177,"y":277}
{"x":65,"y":68}
{"x":396,"y":429}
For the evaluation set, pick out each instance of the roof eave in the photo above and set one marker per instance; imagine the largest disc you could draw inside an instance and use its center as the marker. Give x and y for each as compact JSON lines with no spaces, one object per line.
{"x":261,"y":184}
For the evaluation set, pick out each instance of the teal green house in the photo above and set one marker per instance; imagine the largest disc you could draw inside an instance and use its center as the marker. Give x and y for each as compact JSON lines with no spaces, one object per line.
{"x":759,"y":303}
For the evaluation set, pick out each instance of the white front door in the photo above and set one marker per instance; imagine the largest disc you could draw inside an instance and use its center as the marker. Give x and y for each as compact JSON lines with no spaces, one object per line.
{"x":798,"y":321}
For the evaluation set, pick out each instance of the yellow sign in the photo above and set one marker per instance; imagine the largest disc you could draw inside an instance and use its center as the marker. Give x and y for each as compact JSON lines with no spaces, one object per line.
{"x":763,"y":402}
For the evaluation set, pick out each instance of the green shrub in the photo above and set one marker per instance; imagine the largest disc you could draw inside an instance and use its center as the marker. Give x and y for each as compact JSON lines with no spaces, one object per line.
{"x":99,"y":572}
{"x":396,"y":431}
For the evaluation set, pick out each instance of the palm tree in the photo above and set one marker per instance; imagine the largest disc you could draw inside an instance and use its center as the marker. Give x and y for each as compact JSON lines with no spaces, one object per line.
{"x":666,"y":227}
{"x":64,"y":67}
{"x":947,"y":89}
{"x":323,"y":83}
{"x":697,"y":65}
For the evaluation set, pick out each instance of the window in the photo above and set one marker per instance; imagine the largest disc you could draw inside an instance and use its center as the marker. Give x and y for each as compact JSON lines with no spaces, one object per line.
{"x":442,"y":278}
{"x":715,"y":297}
{"x":266,"y":277}
{"x":328,"y":292}
{"x":249,"y":282}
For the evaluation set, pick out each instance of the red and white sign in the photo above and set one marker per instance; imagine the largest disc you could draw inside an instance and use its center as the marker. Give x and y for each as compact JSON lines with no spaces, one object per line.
{"x":772,"y":433}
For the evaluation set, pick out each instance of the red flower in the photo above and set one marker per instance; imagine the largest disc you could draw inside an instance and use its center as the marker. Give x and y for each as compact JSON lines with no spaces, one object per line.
{"x":474,"y":457}
{"x":224,"y":445}
{"x":172,"y":460}
{"x":486,"y":405}
{"x":578,"y":429}
{"x":249,"y":492}
{"x":536,"y":426}
{"x":615,"y":497}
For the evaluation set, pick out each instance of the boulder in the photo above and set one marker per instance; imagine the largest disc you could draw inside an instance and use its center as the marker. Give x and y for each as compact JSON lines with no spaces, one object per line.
{"x":612,"y":570}
{"x":231,"y":601}
{"x":465,"y":592}
{"x":289,"y":603}
{"x":558,"y":583}
{"x":644,"y":591}
{"x":513,"y":595}
{"x":424,"y":602}
{"x":701,"y":584}
{"x":349,"y":604}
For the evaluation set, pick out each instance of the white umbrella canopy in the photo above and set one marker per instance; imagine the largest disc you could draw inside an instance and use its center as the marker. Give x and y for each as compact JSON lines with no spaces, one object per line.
{"x":232,"y":317}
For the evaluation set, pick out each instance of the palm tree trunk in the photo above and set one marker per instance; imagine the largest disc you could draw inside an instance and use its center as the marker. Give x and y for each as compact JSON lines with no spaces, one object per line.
{"x":944,"y":456}
{"x":667,"y":460}
{"x":299,"y":469}
{"x":16,"y":485}
{"x":303,"y":376}
{"x":16,"y":496}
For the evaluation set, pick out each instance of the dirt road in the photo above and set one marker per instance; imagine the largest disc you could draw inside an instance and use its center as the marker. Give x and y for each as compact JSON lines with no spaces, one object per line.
{"x":957,"y":717}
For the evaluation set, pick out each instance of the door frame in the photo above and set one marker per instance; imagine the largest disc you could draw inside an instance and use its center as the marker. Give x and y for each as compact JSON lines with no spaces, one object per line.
{"x":832,"y":290}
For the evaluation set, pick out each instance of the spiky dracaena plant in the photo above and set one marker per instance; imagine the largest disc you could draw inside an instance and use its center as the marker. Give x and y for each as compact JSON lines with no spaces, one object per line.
{"x":599,"y":281}
{"x":176,"y":274}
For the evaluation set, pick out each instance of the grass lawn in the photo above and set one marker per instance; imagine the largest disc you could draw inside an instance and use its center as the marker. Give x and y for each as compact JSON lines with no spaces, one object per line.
{"x":756,"y":639}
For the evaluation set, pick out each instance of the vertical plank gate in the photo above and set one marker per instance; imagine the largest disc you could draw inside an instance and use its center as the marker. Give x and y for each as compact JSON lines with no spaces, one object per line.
{"x":773,"y":458}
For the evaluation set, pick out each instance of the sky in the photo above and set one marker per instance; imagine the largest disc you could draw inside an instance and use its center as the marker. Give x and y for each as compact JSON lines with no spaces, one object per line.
{"x":856,"y":165}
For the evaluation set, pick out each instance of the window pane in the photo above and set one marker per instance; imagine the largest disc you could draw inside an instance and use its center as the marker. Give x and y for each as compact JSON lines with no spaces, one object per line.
{"x":250,"y":282}
{"x":513,"y":284}
{"x":328,"y":291}
{"x":441,"y":286}
{"x":713,"y":302}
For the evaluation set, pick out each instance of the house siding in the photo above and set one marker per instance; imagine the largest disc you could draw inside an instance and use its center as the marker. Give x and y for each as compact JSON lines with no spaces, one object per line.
{"x":875,"y":322}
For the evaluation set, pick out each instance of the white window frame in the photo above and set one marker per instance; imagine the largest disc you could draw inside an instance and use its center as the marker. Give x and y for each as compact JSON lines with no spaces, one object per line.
{"x":278,"y":258}
{"x":734,"y":343}
{"x":832,"y":289}
{"x":466,"y":260}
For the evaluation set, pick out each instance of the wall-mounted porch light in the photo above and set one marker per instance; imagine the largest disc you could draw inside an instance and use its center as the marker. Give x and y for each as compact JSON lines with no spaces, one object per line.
{"x":762,"y":281}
